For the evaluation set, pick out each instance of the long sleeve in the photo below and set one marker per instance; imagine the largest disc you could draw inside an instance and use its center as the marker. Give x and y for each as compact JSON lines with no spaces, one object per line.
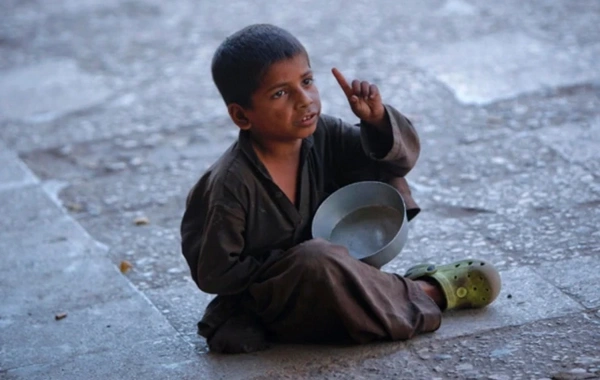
{"x":402,"y":152}
{"x":213,"y":244}
{"x":365,"y":153}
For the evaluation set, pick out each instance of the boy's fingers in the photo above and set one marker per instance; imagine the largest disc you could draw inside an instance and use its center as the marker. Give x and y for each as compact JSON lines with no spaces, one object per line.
{"x":373,"y":92}
{"x":356,"y":87}
{"x":364,"y":89}
{"x":342,"y":82}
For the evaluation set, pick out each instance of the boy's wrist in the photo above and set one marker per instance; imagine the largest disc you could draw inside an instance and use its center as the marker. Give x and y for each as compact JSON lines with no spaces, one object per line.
{"x":382,"y":123}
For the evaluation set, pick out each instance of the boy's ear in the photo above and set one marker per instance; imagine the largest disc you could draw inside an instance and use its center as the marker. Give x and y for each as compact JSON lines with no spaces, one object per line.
{"x":239,"y":117}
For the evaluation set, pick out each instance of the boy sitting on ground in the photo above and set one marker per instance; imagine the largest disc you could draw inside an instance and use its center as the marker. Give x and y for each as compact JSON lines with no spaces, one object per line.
{"x":246,"y":228}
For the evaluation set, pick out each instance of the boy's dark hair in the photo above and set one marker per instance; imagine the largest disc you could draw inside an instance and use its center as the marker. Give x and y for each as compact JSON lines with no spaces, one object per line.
{"x":243,"y":58}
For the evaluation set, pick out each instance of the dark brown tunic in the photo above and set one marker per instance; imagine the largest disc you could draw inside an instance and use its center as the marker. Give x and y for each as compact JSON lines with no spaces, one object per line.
{"x":239,"y":229}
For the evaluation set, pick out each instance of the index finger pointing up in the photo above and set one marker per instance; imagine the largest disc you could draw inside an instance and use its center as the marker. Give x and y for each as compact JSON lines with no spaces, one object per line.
{"x":342,"y":82}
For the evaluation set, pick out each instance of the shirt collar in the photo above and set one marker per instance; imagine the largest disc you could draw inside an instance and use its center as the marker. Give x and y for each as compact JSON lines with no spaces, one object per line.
{"x":245,"y":143}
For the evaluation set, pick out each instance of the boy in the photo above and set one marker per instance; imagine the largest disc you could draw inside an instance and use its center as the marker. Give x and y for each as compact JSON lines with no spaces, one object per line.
{"x":246,"y":228}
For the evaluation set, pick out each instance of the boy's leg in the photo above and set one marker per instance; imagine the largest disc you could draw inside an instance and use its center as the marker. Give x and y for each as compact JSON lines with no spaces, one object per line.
{"x":228,"y":328}
{"x":317,"y":292}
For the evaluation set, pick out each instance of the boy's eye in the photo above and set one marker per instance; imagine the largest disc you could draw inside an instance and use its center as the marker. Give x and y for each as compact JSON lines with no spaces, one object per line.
{"x":308,"y":81}
{"x":278,"y":94}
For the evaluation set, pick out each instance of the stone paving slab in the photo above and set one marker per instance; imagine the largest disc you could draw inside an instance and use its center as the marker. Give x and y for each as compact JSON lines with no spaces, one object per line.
{"x":578,"y":277}
{"x":544,"y":235}
{"x":61,"y":230}
{"x":534,"y":350}
{"x":498,"y":158}
{"x":88,"y":32}
{"x":54,"y":282}
{"x":138,"y":359}
{"x":121,"y":194}
{"x":51,"y":266}
{"x":445,"y":22}
{"x":63,"y":238}
{"x":524,"y":298}
{"x":182,"y":304}
{"x":183,"y":149}
{"x":398,"y":365}
{"x":562,"y":185}
{"x":577,"y":143}
{"x":571,"y":105}
{"x":100,"y":327}
{"x":290,"y":361}
{"x":538,"y":350}
{"x":30,"y":93}
{"x":164,"y":64}
{"x":153,"y":250}
{"x":432,"y":237}
{"x":26,"y":208}
{"x":480,"y":71}
{"x":565,"y":22}
{"x":13,"y":173}
{"x":76,"y":6}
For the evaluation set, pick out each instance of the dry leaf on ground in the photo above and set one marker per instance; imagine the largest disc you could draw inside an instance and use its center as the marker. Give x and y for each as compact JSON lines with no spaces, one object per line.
{"x":141,"y":221}
{"x":74,"y":207}
{"x":125,"y":266}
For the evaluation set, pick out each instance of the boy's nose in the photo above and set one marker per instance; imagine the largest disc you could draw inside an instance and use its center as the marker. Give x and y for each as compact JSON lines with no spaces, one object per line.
{"x":305,"y":99}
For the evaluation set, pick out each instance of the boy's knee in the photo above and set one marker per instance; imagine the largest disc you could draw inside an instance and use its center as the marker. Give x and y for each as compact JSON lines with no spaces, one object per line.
{"x":317,"y":254}
{"x":320,"y":245}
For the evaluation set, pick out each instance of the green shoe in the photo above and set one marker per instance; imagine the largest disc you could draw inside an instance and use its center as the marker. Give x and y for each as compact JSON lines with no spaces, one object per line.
{"x":467,"y":284}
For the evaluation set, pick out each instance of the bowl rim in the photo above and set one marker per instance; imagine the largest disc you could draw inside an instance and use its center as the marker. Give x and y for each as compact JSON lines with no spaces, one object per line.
{"x":381,"y":184}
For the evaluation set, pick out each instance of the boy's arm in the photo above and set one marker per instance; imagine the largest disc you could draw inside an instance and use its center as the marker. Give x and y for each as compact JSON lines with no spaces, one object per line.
{"x":213,"y":242}
{"x":385,"y":147}
{"x":362,"y":153}
{"x":394,"y":143}
{"x":385,"y":134}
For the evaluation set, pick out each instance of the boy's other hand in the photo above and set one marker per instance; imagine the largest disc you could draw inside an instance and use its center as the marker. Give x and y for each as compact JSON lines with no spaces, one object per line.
{"x":364,"y":99}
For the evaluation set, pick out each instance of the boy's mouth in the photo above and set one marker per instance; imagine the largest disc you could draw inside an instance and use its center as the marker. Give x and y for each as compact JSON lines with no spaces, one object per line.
{"x":308,"y":119}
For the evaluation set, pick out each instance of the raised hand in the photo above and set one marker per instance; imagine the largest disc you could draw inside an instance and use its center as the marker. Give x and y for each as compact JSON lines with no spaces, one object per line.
{"x":364,"y":99}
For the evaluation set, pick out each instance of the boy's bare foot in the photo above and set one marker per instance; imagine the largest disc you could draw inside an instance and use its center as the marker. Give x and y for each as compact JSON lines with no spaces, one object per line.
{"x":434,"y":292}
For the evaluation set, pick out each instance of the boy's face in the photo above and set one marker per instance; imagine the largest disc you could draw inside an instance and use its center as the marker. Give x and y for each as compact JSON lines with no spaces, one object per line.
{"x":286,"y":106}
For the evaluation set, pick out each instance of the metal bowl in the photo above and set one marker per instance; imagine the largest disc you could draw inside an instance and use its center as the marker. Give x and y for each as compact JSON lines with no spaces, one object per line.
{"x":368,"y":218}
